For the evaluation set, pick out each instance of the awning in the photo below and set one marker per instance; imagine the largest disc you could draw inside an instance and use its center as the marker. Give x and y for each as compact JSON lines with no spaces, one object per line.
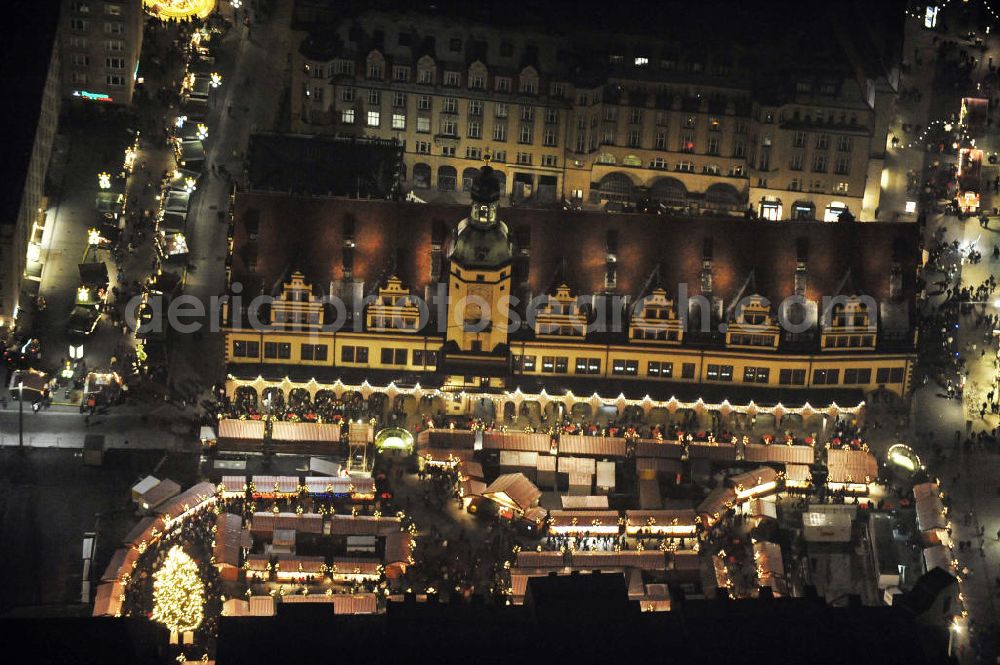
{"x":290,"y":564}
{"x":318,"y":485}
{"x":725,"y":452}
{"x":770,"y":566}
{"x":139,"y":532}
{"x":938,"y":556}
{"x":718,"y":501}
{"x":577,"y":465}
{"x":266,"y":522}
{"x":233,"y":486}
{"x":532,"y":559}
{"x":513,"y":490}
{"x":246,"y":430}
{"x":757,"y":452}
{"x":677,"y":523}
{"x":235,"y":607}
{"x":759,"y":481}
{"x":471,"y":487}
{"x":930,"y":510}
{"x":449,"y":438}
{"x":468,"y":469}
{"x":228,"y":539}
{"x":114,"y":570}
{"x":539,"y":443}
{"x":598,"y":446}
{"x":649,"y":494}
{"x":851,"y":466}
{"x":656,"y":465}
{"x":354,"y":603}
{"x":306,"y":432}
{"x":518,"y":458}
{"x":262,"y":606}
{"x":584,"y":502}
{"x":654,"y":448}
{"x":363,"y":525}
{"x":108,"y":600}
{"x":594,"y":522}
{"x":398,"y":548}
{"x":187,"y":499}
{"x":159,"y":493}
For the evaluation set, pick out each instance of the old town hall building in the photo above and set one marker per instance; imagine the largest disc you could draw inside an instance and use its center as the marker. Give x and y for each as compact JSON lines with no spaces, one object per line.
{"x":501,"y":298}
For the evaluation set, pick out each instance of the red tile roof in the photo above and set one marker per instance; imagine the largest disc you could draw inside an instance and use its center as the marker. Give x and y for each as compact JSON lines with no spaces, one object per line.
{"x":308,"y":234}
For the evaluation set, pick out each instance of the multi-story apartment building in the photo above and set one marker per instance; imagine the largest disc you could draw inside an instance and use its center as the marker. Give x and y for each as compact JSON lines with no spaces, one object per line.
{"x":101,"y":41}
{"x":28,"y":134}
{"x":599,"y":118}
{"x":713,"y":308}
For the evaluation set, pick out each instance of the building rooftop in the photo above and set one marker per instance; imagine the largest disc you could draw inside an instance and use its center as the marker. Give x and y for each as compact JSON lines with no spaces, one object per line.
{"x":324,"y":166}
{"x":276,"y":232}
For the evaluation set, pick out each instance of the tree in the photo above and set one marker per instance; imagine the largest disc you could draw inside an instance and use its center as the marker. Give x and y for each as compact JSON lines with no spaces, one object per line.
{"x":178,"y":592}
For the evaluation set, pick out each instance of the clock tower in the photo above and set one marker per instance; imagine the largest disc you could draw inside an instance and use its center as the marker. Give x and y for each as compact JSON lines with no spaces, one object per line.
{"x":479,"y":290}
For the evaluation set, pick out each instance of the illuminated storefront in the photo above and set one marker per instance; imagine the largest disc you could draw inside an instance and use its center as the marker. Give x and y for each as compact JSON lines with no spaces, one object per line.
{"x":179,"y":9}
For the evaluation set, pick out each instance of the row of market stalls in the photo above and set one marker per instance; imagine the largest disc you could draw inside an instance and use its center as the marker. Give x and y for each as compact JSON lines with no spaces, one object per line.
{"x":166,"y":520}
{"x":238,"y":435}
{"x":340,"y":603}
{"x":355,"y":486}
{"x":934,"y":527}
{"x":265,"y":548}
{"x":91,"y":296}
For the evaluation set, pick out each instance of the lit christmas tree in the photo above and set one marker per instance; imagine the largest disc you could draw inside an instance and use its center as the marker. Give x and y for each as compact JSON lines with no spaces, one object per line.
{"x":178,"y":592}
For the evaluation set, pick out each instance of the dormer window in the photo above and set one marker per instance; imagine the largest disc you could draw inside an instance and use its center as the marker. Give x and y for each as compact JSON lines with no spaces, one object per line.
{"x":753,"y":325}
{"x":560,"y":315}
{"x":654,"y":319}
{"x":847,"y":324}
{"x":394,"y":310}
{"x":296,"y":306}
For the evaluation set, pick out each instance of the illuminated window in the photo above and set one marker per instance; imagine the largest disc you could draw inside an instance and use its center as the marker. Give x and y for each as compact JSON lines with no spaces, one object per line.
{"x":374,"y":118}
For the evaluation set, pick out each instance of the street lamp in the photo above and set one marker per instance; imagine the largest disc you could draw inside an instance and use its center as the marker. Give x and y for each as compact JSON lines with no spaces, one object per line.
{"x":104,"y":180}
{"x":954,"y":631}
{"x":76,"y":352}
{"x":215,"y":80}
{"x":20,"y":414}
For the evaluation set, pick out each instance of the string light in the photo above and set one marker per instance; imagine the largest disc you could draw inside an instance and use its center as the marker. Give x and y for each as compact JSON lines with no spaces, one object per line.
{"x":178,"y":592}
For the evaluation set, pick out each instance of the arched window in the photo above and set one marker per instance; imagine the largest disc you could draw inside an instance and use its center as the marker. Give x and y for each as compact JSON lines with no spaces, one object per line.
{"x":668,"y":190}
{"x":616,"y":187}
{"x":501,"y":180}
{"x":447,"y":177}
{"x":421,"y":176}
{"x":631,"y":160}
{"x":722,"y":196}
{"x":468,"y":176}
{"x":803,"y":211}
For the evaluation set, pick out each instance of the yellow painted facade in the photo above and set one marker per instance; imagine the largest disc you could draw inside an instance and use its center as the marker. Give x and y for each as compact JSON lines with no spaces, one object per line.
{"x":295,"y":342}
